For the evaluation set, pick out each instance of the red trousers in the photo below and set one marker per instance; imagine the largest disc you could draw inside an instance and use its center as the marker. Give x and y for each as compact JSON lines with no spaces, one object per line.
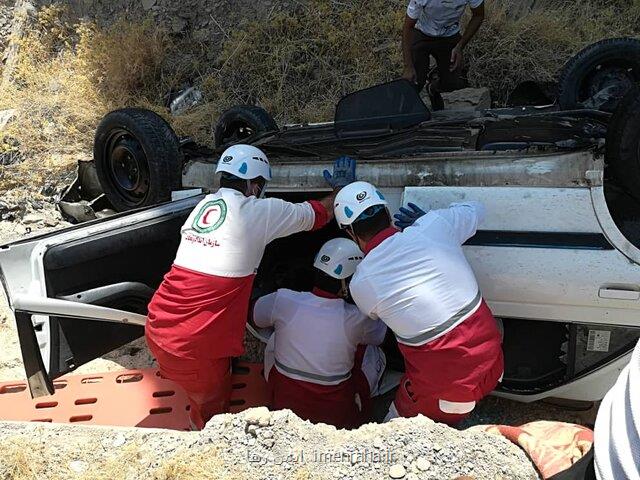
{"x":336,"y":405}
{"x":206,"y":382}
{"x":445,"y":377}
{"x":195,"y":325}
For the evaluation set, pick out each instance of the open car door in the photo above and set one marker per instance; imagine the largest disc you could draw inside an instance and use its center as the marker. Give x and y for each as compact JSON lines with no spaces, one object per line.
{"x":82,"y":292}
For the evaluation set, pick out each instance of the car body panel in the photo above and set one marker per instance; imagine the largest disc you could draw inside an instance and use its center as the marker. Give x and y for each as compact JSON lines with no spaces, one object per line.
{"x":536,"y":277}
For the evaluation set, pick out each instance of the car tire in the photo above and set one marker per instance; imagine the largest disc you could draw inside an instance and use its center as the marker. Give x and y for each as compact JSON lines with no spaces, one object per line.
{"x":138,"y":158}
{"x":240,"y":122}
{"x":612,"y":64}
{"x":623,"y":143}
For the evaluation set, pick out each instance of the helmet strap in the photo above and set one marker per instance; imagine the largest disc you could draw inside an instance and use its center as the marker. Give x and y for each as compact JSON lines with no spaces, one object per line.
{"x":354,"y":237}
{"x":345,"y":289}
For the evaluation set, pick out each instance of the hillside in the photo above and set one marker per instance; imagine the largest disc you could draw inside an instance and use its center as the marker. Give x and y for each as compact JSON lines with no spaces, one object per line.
{"x":69,"y":63}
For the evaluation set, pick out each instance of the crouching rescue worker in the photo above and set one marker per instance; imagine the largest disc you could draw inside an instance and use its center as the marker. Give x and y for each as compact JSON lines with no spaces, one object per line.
{"x":197,"y":317}
{"x":316,"y":335}
{"x":419,"y":283}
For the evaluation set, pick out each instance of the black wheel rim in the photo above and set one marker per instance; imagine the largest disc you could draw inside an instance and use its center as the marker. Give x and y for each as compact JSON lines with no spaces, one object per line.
{"x":619,"y":75}
{"x":236,"y":131}
{"x":128,"y":167}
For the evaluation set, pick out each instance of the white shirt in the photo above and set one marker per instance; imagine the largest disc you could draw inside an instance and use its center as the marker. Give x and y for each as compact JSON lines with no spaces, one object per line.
{"x":439,"y":18}
{"x":617,"y":430}
{"x":315,"y":338}
{"x":418,"y":281}
{"x":226,"y":234}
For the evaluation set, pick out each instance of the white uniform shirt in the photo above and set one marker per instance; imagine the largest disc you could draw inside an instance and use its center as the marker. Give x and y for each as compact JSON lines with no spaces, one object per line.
{"x":439,"y":18}
{"x":315,"y":338}
{"x":418,"y":281}
{"x":226,"y":233}
{"x":617,"y":430}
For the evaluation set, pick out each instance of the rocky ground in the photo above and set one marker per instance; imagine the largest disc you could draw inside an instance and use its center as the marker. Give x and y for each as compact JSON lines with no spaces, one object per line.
{"x":259,"y":444}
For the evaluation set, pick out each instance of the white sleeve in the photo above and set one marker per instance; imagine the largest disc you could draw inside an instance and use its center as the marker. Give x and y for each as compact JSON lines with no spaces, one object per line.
{"x":414,"y":9}
{"x":362,"y":295}
{"x":463,"y":218}
{"x":263,"y":310}
{"x":373,"y":331}
{"x":475,"y":3}
{"x":284,"y":218}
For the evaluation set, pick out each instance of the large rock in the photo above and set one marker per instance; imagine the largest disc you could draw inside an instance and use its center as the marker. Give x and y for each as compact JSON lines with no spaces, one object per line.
{"x":467,"y":99}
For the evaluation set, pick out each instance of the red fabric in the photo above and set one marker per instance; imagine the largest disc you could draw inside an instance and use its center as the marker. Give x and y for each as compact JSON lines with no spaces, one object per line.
{"x":379,"y":238}
{"x":197,"y":316}
{"x":463,"y":365}
{"x":207,"y":383}
{"x":554,"y":447}
{"x":331,"y":404}
{"x":322,"y":216}
{"x":323,"y":294}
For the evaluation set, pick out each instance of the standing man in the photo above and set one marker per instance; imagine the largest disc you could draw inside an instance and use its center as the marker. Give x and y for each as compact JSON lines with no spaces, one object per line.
{"x":420,"y":284}
{"x":432,"y":28}
{"x":197,"y":317}
{"x":309,"y":360}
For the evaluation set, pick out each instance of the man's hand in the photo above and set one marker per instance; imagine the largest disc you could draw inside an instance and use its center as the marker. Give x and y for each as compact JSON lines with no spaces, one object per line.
{"x":344,"y":173}
{"x":456,"y":58}
{"x":407,"y":217}
{"x":409,"y":73}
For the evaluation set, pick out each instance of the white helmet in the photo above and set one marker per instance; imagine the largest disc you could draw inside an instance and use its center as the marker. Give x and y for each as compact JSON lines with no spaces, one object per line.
{"x":246,"y":162}
{"x":354,"y":199}
{"x":338,"y":258}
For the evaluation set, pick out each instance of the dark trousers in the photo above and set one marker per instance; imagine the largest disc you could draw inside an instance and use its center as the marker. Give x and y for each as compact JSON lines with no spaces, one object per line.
{"x":440,"y":48}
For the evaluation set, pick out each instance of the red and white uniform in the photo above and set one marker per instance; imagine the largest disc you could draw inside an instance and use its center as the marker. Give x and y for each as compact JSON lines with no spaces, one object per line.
{"x":420,"y":284}
{"x":196,"y":319}
{"x":314,"y":344}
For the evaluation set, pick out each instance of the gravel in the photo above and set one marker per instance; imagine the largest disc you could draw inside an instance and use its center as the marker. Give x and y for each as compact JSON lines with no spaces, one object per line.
{"x":280,"y":446}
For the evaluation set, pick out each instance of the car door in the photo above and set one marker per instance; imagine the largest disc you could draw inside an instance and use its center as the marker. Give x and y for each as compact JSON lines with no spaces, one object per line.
{"x":82,"y":292}
{"x":552,"y":265}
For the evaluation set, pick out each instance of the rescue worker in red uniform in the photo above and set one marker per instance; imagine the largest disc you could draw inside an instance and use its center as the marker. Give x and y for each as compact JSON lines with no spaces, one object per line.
{"x":309,"y":359}
{"x":197,"y":317}
{"x":420,"y":284}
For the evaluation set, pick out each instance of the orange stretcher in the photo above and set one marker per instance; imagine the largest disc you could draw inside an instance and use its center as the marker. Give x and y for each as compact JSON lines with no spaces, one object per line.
{"x":131,"y":398}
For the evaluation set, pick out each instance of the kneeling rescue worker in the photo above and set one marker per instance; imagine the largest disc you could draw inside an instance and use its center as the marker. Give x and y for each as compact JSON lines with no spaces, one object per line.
{"x":316,"y":335}
{"x":197,"y":317}
{"x":420,"y":284}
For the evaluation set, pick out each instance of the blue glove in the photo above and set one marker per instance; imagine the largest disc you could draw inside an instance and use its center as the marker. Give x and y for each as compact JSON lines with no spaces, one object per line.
{"x":344,"y":172}
{"x":407,"y":217}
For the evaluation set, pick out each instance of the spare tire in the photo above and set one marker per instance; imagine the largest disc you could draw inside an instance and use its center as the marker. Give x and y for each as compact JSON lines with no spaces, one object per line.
{"x":599,"y":75}
{"x":240,"y":122}
{"x":138,"y":158}
{"x":623,"y":143}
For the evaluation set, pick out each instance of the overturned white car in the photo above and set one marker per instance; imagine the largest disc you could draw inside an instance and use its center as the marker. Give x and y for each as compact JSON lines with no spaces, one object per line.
{"x":557,"y":258}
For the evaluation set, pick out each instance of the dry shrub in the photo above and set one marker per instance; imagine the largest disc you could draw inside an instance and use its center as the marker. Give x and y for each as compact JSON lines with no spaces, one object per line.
{"x":67,"y":77}
{"x":296,"y":64}
{"x":534,"y":46}
{"x":17,"y":459}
